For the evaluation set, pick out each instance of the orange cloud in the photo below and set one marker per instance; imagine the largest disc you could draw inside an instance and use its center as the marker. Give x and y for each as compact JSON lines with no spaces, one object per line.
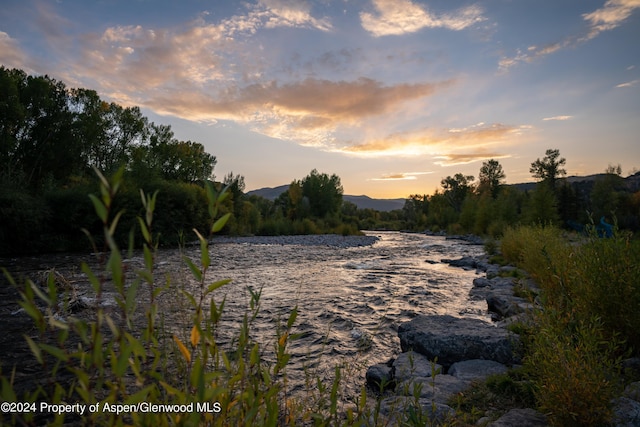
{"x":308,"y":111}
{"x":442,"y":144}
{"x":402,"y":176}
{"x":395,"y":17}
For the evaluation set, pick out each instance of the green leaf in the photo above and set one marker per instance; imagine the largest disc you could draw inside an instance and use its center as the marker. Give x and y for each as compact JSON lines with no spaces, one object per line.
{"x":212,"y":287}
{"x":93,"y":279}
{"x":114,"y":223}
{"x":292,"y":317}
{"x":194,"y":269}
{"x":100,"y":208}
{"x":55,"y":352}
{"x":220,"y":222}
{"x":204,"y":250}
{"x":34,"y":349}
{"x":145,"y":231}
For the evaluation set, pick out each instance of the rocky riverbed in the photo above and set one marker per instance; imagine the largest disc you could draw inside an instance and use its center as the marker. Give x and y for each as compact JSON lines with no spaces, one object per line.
{"x":443,"y":356}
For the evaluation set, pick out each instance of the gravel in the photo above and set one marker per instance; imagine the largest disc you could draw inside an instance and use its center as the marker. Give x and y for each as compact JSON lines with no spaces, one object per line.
{"x":331,"y":240}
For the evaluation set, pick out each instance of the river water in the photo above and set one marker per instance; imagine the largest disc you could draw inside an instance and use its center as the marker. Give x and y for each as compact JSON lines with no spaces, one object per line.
{"x":350,"y":298}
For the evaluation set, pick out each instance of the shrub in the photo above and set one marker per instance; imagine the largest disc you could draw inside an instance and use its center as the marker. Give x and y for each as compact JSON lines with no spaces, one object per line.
{"x":575,"y":370}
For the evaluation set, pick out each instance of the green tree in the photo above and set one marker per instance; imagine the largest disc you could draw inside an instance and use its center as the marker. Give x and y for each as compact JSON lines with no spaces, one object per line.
{"x":491,"y":177}
{"x":608,"y":193}
{"x":549,"y":169}
{"x":324,"y":193}
{"x":456,"y":189}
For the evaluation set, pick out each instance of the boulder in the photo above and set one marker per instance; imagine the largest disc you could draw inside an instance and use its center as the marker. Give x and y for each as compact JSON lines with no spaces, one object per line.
{"x":506,"y":305}
{"x":379,"y":377}
{"x":397,"y":408}
{"x":466,"y":262}
{"x":451,"y":340}
{"x":472,"y":370}
{"x":437,"y":389}
{"x":521,"y":418}
{"x":412,"y":364}
{"x":626,"y":412}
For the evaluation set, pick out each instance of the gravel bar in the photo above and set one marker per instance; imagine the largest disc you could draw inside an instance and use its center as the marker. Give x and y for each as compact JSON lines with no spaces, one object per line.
{"x":331,"y":240}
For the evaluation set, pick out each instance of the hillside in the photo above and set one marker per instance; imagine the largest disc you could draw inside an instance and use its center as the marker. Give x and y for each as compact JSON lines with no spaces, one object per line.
{"x":632,"y":182}
{"x":362,"y":202}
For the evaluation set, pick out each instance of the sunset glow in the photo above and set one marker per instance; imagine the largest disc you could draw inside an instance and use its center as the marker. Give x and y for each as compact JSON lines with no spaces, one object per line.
{"x":371,"y":90}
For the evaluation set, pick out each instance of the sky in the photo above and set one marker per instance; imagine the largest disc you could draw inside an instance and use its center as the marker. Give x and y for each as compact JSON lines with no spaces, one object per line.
{"x":390,"y":95}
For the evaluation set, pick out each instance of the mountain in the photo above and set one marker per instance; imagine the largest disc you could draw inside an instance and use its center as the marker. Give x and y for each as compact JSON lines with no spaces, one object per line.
{"x":632,"y":182}
{"x":362,"y":202}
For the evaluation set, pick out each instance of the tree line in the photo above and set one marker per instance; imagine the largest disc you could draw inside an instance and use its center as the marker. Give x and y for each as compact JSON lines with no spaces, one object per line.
{"x":53,"y":139}
{"x":490,"y":206}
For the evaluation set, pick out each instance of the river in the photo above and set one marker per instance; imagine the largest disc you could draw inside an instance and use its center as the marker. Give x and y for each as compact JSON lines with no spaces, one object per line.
{"x":351,"y":298}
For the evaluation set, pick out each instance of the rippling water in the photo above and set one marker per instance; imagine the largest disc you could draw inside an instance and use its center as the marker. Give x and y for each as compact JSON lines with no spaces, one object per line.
{"x":350,"y":300}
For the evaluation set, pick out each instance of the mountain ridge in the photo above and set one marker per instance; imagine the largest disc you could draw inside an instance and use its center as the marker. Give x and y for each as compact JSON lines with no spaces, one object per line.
{"x":361,"y":201}
{"x":632,"y":182}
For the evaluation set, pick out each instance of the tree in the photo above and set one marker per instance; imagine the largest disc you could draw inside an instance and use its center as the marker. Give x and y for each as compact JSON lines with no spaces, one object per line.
{"x":549,"y":168}
{"x":491,"y":178}
{"x":456,"y":189}
{"x":324,"y":193}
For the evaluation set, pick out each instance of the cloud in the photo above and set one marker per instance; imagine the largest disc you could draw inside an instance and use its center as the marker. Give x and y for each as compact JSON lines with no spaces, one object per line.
{"x":628,"y":84}
{"x":454,"y":159}
{"x":307,"y":112}
{"x":396,"y":17}
{"x":402,"y":176}
{"x":608,"y":17}
{"x":614,"y":13}
{"x":11,"y":55}
{"x":292,"y":13}
{"x":445,"y":144}
{"x":560,"y":118}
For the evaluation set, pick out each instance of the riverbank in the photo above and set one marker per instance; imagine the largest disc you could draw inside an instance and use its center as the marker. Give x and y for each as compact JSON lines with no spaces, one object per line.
{"x":443,"y":370}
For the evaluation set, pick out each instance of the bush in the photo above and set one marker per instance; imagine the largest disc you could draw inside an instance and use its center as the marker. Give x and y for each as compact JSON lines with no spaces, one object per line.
{"x":576,"y":372}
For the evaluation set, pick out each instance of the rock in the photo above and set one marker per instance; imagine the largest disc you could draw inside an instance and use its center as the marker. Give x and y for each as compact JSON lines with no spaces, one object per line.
{"x":412,"y":364}
{"x":632,"y":391}
{"x":521,"y":418}
{"x":472,"y":370}
{"x":438,"y":389}
{"x":632,"y":367}
{"x":466,"y":262}
{"x":379,"y":377}
{"x":397,"y":408}
{"x":506,"y":305}
{"x":451,"y":340}
{"x":626,"y":412}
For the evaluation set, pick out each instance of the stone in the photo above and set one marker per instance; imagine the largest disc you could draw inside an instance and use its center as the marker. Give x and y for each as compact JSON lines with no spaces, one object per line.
{"x":379,"y":377}
{"x":438,"y":389}
{"x":451,"y":340}
{"x":626,"y":412}
{"x":522,"y":418}
{"x":473,"y":370}
{"x":412,"y":364}
{"x":397,"y":408}
{"x":466,"y":262}
{"x":632,"y":391}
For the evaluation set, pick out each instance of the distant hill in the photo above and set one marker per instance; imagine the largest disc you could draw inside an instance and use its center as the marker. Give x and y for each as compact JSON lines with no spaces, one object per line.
{"x":631,"y":182}
{"x":362,"y":202}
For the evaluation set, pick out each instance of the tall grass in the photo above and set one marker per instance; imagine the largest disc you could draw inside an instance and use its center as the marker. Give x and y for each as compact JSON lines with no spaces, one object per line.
{"x":589,"y":320}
